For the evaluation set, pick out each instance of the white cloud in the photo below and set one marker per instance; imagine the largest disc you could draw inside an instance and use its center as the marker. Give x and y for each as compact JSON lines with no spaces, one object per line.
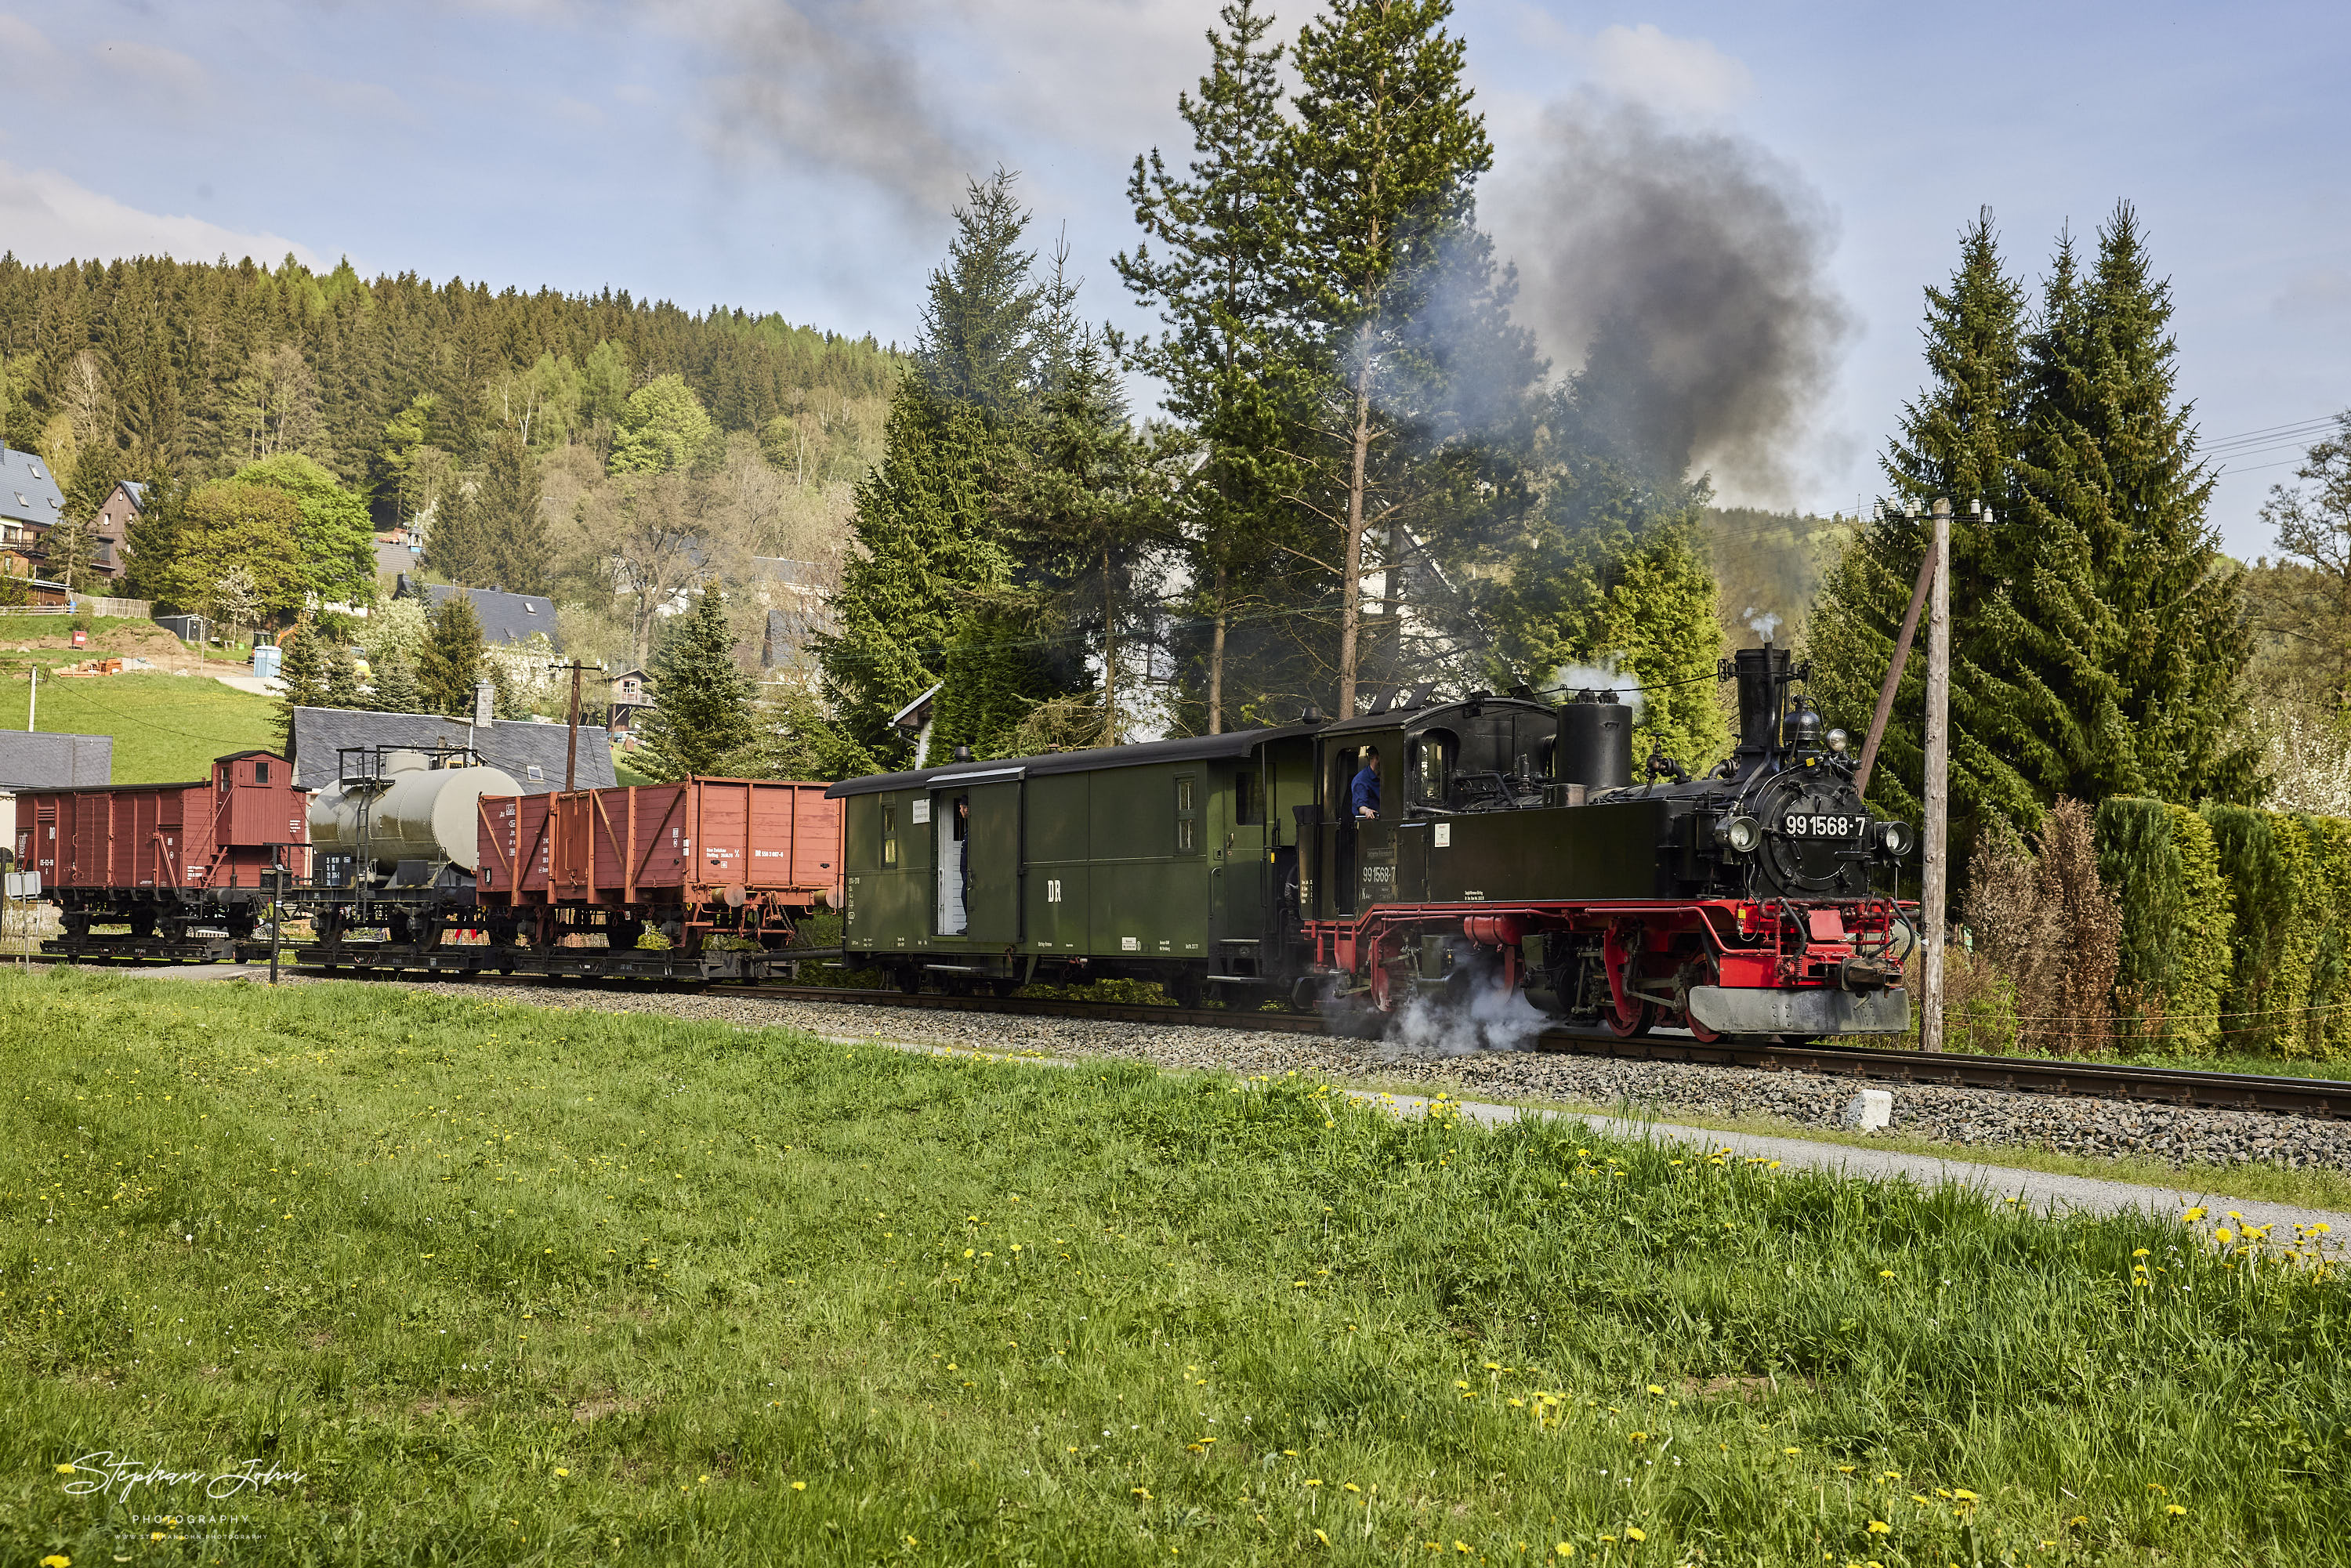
{"x":46,"y":217}
{"x":1645,"y":65}
{"x":1677,"y":75}
{"x":22,"y":44}
{"x":163,"y":71}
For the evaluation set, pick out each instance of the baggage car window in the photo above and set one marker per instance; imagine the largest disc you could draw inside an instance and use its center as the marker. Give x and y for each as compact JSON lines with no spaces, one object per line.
{"x":1187,"y":815}
{"x":889,"y":835}
{"x":1249,"y":800}
{"x":261,"y":773}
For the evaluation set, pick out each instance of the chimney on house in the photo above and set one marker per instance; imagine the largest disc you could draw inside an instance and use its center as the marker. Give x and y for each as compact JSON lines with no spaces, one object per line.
{"x":483,"y":704}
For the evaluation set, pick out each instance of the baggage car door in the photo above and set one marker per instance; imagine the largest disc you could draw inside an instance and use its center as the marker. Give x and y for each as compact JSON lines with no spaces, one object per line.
{"x":993,"y":905}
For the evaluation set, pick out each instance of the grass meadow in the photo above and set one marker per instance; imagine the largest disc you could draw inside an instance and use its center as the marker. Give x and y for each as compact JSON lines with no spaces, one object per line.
{"x":420,"y":1280}
{"x":167,"y":729}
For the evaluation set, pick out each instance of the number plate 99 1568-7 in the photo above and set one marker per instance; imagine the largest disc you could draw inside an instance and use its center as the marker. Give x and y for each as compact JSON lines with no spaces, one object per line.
{"x":1823,"y":825}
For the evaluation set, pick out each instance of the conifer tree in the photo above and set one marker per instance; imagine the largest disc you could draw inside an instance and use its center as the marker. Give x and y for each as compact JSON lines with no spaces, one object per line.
{"x":450,"y":660}
{"x":702,"y":714}
{"x":2013,"y":604}
{"x":1400,"y":293}
{"x":506,"y":511}
{"x":302,"y":676}
{"x":458,"y":545}
{"x":1224,"y":229}
{"x":979,"y":321}
{"x":2111,"y":462}
{"x":392,"y":685}
{"x":342,"y":675}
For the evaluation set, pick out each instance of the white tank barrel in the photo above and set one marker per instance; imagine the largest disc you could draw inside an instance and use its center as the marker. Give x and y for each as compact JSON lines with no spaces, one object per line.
{"x":415,"y":812}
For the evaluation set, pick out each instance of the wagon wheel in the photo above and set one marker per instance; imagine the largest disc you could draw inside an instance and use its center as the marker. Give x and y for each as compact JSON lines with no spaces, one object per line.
{"x":1645,"y":1013}
{"x":1189,"y":988}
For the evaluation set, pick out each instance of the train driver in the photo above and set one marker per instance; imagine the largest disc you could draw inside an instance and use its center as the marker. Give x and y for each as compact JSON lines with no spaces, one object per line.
{"x":1364,"y":792}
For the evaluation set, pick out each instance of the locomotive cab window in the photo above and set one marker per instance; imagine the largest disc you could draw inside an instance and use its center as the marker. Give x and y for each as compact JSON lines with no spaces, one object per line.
{"x":1432,"y":754}
{"x":1187,"y":815}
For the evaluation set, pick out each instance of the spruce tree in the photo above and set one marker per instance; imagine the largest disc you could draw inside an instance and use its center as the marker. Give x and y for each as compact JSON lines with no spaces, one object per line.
{"x":392,"y":685}
{"x":702,"y":714}
{"x":2015,"y":601}
{"x":2111,"y":463}
{"x":923,"y":520}
{"x":458,"y":545}
{"x":343,"y":679}
{"x":978,"y":344}
{"x":302,"y":674}
{"x":506,"y":511}
{"x":450,"y":660}
{"x":1223,"y":229}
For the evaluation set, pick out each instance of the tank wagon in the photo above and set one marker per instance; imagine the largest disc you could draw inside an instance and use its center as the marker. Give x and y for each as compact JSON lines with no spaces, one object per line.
{"x":167,"y":862}
{"x":1508,"y":846}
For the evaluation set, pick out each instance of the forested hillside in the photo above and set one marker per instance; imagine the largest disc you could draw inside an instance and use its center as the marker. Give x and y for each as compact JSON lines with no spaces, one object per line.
{"x":153,"y":365}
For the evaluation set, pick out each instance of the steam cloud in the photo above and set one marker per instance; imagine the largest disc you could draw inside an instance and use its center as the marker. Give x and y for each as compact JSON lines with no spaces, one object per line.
{"x":1601,"y":677}
{"x":1763,"y":623}
{"x":1687,"y":270}
{"x":1494,"y":1019}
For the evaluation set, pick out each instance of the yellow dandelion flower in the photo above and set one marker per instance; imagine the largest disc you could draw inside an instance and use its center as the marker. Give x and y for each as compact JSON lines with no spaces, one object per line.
{"x":1964,"y":1495}
{"x":1566,"y":1549}
{"x":2224,"y":1235}
{"x":2174,"y":1509}
{"x":1322,"y":1537}
{"x":1791,"y":1450}
{"x":1879,"y":1527}
{"x":65,"y":1469}
{"x":799,"y":1486}
{"x":57,"y":1559}
{"x":1654,"y":1389}
{"x":1634,"y":1533}
{"x":561,"y":1471}
{"x":2192,"y":1216}
{"x":1636,"y":1437}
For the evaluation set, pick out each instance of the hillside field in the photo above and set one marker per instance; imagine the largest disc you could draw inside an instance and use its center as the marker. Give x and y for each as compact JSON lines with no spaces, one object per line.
{"x":166,"y":728}
{"x":472,"y":1283}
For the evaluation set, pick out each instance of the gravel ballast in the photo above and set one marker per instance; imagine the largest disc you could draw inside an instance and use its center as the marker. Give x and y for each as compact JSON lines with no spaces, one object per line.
{"x":1982,"y":1117}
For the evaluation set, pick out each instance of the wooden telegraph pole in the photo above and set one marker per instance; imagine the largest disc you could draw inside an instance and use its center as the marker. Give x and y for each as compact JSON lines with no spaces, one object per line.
{"x":571,"y":742}
{"x":1935,"y":884}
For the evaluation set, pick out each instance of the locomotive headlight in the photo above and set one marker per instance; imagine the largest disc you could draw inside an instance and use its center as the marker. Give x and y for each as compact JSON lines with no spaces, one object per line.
{"x":1739,"y":834}
{"x":1896,"y":838}
{"x":1838,"y":740}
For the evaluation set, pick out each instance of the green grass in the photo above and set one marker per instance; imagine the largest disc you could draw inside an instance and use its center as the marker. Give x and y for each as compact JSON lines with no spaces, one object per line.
{"x":508,"y":1285}
{"x":166,"y":728}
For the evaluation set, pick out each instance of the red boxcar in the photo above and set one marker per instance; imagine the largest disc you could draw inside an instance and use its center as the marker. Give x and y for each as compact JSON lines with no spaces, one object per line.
{"x":177,"y":855}
{"x":740,"y":856}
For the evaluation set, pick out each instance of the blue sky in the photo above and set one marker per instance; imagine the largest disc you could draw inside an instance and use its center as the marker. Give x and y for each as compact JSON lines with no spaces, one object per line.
{"x":799,"y":158}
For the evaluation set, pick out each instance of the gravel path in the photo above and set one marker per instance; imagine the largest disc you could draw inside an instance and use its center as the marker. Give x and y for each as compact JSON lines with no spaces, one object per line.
{"x":1982,"y":1117}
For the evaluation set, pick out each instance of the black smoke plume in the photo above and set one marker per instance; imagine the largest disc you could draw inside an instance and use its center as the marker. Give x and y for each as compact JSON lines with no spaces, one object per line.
{"x":1686,"y":272}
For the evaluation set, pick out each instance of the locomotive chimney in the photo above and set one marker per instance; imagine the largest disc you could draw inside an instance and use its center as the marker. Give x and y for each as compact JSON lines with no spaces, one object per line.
{"x":1762,"y":690}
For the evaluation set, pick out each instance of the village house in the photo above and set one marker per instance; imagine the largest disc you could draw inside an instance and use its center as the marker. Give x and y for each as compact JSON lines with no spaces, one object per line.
{"x":112,"y":525}
{"x":30,"y":506}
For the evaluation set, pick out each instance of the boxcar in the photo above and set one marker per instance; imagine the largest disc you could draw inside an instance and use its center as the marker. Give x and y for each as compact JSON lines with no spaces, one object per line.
{"x":165,"y":856}
{"x":699,"y":857}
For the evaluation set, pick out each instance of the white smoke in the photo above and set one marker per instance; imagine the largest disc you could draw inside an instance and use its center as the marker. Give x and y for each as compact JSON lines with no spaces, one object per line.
{"x":1492,"y":1019}
{"x":1763,"y":623}
{"x":1599,"y":677}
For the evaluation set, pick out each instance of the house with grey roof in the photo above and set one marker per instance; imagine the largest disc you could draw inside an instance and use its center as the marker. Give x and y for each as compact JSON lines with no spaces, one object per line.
{"x":530,"y":753}
{"x":506,"y":617}
{"x":30,"y":506}
{"x":111,"y":526}
{"x":51,"y":759}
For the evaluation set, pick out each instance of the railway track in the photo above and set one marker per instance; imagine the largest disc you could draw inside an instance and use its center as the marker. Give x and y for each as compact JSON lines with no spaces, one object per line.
{"x":2095,"y":1080}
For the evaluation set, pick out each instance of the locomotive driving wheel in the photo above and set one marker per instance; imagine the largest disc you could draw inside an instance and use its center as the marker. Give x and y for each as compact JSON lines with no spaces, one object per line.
{"x":1644,"y":1015}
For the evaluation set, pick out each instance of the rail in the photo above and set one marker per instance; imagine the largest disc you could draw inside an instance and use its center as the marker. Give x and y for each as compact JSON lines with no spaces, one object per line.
{"x":2015,"y":1074}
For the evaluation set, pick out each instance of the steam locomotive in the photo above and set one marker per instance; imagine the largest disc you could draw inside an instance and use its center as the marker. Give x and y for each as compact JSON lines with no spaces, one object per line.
{"x":1509,"y":848}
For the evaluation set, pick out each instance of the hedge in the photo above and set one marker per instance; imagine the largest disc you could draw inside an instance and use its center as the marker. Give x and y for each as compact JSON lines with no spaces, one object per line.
{"x":2162,"y":863}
